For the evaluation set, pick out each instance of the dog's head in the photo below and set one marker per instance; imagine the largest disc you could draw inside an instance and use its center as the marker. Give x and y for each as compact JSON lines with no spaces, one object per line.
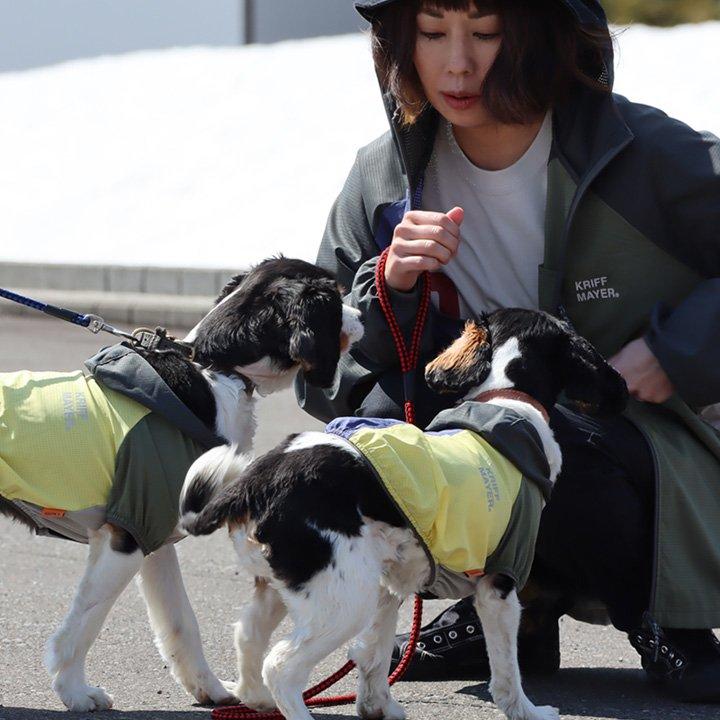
{"x":532,"y":352}
{"x":281,"y":316}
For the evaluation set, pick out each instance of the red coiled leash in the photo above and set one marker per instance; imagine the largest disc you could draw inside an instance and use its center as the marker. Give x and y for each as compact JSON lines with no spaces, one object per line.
{"x":408,"y":363}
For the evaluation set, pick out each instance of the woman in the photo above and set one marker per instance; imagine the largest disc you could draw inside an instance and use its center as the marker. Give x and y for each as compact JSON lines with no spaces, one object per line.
{"x":514,"y":175}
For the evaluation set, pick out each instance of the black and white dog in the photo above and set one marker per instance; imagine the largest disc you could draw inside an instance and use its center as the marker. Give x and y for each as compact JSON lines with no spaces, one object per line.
{"x":282,"y":315}
{"x":327,"y":545}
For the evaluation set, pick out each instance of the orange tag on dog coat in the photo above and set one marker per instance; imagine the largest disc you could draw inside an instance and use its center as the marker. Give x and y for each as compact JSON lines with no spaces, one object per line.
{"x":474,"y":573}
{"x":52,"y":512}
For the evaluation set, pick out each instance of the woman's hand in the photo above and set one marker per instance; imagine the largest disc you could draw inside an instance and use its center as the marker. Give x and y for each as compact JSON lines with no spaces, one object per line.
{"x":422,"y":241}
{"x":645,"y":379}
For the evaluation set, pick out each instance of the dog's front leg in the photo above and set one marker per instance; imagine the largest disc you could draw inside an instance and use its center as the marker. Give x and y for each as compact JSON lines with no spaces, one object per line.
{"x":372,"y":652}
{"x":177,"y":635}
{"x":498,"y":607}
{"x":258,"y":620}
{"x":107,"y":573}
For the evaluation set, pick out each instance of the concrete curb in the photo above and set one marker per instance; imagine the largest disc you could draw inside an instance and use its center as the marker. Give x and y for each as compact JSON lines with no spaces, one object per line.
{"x":171,"y":297}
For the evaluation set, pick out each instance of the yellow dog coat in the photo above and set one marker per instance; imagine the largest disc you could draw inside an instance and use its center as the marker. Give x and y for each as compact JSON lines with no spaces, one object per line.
{"x":472,"y":507}
{"x":77,"y":451}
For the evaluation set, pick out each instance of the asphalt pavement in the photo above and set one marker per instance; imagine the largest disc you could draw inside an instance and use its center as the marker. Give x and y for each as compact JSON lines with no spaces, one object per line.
{"x":600,"y":677}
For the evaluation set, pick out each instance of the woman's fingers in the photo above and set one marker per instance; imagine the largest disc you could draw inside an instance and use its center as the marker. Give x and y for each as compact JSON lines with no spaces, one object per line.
{"x":426,"y":236}
{"x":440,"y":249}
{"x":457,"y":215}
{"x":447,"y":221}
{"x":417,"y":264}
{"x":423,"y":241}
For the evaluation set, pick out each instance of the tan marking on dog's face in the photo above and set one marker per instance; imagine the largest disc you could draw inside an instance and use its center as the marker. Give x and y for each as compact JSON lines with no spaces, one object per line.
{"x":462,"y":354}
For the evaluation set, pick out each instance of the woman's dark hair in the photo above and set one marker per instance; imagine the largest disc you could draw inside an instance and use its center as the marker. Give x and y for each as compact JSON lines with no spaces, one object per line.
{"x":544,"y":51}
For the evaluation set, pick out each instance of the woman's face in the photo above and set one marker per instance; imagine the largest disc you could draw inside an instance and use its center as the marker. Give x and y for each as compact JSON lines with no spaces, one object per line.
{"x":454,"y":50}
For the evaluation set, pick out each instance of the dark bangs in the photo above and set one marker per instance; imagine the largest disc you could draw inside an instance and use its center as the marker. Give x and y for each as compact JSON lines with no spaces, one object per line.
{"x":544,"y":51}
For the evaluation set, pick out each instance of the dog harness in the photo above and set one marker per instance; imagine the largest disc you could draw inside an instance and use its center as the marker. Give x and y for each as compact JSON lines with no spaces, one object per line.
{"x":474,"y":507}
{"x":78,"y":451}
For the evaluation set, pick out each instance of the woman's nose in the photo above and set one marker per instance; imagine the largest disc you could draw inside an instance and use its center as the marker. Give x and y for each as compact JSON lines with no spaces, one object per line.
{"x":460,"y":61}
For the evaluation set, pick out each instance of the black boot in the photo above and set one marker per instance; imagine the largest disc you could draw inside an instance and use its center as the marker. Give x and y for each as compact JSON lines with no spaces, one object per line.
{"x":686,"y":662}
{"x":452,"y":647}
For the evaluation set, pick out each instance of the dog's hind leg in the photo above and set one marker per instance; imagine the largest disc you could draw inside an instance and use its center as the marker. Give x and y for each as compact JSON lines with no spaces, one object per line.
{"x":107,"y":574}
{"x":499,"y":609}
{"x":327,"y":611}
{"x":258,"y":620}
{"x":176,"y":631}
{"x":371,"y":652}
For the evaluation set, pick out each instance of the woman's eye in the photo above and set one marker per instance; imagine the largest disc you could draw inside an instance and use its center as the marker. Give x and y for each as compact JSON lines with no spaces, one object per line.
{"x":431,"y":35}
{"x":486,"y":36}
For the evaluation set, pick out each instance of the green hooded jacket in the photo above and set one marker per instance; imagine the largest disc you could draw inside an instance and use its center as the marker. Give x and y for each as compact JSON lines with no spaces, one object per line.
{"x":632,"y":249}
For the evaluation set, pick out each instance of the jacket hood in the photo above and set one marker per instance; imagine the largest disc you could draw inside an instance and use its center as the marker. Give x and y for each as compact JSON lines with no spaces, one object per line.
{"x":587,"y":12}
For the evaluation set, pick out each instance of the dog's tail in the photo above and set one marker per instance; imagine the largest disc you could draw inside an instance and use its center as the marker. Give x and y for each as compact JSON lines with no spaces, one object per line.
{"x":209,"y":496}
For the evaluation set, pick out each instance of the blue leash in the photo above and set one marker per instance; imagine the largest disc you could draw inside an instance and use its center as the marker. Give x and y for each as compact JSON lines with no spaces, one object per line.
{"x":93,"y":322}
{"x":142,"y":337}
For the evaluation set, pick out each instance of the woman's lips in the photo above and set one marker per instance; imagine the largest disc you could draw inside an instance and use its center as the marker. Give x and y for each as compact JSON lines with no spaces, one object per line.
{"x":460,"y":102}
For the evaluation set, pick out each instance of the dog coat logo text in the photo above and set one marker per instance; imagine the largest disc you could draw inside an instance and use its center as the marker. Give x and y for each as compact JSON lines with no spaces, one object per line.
{"x":595,"y":289}
{"x":491,"y":487}
{"x":74,"y":408}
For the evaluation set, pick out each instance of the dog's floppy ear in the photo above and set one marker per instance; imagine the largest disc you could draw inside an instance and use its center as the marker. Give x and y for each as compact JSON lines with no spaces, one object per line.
{"x":465,"y":364}
{"x":315,"y":322}
{"x":590,"y":380}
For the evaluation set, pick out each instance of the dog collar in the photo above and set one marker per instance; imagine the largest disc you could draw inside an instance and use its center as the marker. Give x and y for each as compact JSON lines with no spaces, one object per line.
{"x":510,"y":394}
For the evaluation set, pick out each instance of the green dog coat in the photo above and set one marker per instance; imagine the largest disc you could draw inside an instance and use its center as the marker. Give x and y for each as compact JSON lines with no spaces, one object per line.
{"x":77,"y":451}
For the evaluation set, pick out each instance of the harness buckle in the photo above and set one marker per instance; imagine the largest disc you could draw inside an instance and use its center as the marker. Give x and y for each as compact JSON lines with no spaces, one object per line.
{"x":158,"y":340}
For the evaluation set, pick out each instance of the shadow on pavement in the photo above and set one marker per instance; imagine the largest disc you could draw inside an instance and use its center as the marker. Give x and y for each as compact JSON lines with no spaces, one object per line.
{"x":16,"y":713}
{"x":617,"y":693}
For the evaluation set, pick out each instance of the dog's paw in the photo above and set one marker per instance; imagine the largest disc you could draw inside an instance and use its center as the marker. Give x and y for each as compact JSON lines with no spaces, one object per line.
{"x":206,"y":689}
{"x":85,"y":699}
{"x":527,"y":711}
{"x":231,"y":687}
{"x":212,"y":693}
{"x":545,"y":712}
{"x":372,"y":710}
{"x":257,"y":698}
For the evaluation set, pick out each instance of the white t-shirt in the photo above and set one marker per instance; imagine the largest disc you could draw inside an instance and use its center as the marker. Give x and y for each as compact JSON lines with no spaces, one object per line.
{"x":503,"y":233}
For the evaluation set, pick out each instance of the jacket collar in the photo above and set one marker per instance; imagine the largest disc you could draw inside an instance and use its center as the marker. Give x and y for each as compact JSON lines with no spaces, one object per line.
{"x":588,"y":132}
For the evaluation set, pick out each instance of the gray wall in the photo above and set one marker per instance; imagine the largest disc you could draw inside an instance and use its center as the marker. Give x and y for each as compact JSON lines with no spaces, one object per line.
{"x":43,"y":32}
{"x":281,"y":19}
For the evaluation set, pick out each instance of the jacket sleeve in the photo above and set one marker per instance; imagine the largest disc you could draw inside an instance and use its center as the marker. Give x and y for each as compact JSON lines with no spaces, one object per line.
{"x":348,"y":250}
{"x":684,"y":339}
{"x":685,"y":342}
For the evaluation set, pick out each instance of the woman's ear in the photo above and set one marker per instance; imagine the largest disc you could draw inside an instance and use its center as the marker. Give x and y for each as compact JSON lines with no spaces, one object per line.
{"x":465,"y":364}
{"x":590,"y":380}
